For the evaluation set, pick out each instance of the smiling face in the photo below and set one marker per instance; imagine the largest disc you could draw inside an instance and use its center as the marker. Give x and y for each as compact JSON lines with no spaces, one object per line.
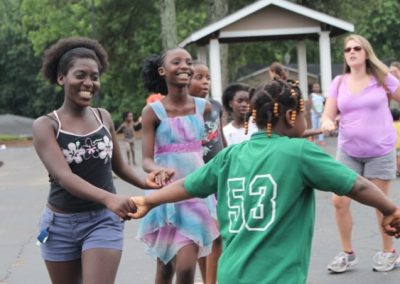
{"x":354,"y":53}
{"x":200,"y":82}
{"x":177,"y":67}
{"x":81,"y":82}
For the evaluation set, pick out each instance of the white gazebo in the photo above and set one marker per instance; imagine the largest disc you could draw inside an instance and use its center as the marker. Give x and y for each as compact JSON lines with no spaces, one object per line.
{"x":270,"y":20}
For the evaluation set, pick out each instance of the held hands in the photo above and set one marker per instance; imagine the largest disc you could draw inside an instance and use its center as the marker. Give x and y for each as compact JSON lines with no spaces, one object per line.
{"x":327,"y":126}
{"x":163,"y":177}
{"x":142,"y":208}
{"x":120,"y":205}
{"x":159,"y":178}
{"x":391,"y":224}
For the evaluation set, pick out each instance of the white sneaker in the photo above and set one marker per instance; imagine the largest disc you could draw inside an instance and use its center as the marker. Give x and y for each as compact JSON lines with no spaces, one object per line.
{"x":385,"y":261}
{"x":342,"y":262}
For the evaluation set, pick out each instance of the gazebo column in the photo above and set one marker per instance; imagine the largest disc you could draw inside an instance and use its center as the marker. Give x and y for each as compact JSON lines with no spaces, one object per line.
{"x":302,"y":63}
{"x":215,"y":70}
{"x":202,"y":53}
{"x":325,"y":61}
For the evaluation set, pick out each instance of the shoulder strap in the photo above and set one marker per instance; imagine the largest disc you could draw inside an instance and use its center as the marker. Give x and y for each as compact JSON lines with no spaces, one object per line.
{"x":100,"y":118}
{"x":200,"y":105}
{"x":56,"y":119}
{"x":388,"y":94}
{"x":159,"y":110}
{"x":339,"y":83}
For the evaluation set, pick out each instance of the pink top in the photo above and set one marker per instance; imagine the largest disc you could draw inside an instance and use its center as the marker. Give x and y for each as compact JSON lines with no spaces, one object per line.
{"x":366,"y":124}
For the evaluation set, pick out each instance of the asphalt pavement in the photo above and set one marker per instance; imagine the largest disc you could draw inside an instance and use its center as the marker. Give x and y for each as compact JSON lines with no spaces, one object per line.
{"x":24,"y":188}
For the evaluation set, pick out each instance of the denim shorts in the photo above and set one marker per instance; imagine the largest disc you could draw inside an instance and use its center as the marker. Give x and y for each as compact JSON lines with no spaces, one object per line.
{"x":383,"y":167}
{"x":72,"y":233}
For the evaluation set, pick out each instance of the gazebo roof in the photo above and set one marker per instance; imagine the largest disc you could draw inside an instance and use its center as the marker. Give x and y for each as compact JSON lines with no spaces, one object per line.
{"x":270,"y":20}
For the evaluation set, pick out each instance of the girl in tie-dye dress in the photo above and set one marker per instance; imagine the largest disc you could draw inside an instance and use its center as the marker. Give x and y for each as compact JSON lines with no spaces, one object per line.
{"x":176,"y":234}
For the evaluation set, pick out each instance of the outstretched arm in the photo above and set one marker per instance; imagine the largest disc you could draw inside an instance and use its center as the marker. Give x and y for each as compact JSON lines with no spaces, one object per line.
{"x":328,"y":124}
{"x":171,"y":193}
{"x":369,"y":194}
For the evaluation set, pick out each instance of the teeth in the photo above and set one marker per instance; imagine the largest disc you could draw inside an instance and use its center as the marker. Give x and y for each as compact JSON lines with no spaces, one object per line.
{"x":183,"y":76}
{"x":85,"y":94}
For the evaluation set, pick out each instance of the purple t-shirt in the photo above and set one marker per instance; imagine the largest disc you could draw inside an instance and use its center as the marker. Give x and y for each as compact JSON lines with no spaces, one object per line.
{"x":366,"y":124}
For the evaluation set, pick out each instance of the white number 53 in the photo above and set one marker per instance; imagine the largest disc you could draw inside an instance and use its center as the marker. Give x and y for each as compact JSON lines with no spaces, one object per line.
{"x":251,"y":208}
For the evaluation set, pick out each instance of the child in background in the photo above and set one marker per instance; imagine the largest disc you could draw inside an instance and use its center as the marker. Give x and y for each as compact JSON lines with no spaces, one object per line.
{"x":265,"y":192}
{"x":213,"y":142}
{"x":175,"y":234}
{"x":396,"y":124}
{"x":317,"y":101}
{"x":235,"y":100}
{"x":128,"y":128}
{"x":277,"y":70}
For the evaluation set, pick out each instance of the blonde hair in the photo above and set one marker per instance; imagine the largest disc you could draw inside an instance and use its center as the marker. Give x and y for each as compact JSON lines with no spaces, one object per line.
{"x":395,"y":64}
{"x":374,"y":66}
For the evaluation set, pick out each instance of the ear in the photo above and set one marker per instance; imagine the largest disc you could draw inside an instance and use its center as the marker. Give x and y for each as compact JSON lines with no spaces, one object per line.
{"x":230,"y":103}
{"x":60,"y":79}
{"x":161,"y":71}
{"x":288,"y":118}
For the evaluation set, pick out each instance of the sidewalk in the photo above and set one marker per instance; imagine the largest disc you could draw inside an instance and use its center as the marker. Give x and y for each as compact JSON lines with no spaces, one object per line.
{"x":24,"y":188}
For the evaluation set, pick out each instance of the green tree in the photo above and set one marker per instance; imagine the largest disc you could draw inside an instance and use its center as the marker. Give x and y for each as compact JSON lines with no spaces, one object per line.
{"x":19,"y":85}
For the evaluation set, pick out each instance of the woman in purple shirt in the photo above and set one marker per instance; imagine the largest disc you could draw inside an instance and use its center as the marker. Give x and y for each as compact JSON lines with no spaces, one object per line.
{"x":366,"y":141}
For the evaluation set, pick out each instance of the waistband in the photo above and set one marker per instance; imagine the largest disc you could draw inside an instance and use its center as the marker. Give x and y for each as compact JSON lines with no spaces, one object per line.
{"x":181,"y":147}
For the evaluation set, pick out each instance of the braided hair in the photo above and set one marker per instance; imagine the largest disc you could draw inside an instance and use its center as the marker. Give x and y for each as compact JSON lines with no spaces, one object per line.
{"x":152,"y":80}
{"x":273,"y":99}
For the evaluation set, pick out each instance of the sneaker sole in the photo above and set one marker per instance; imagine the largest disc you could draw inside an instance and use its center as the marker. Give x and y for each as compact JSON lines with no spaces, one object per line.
{"x":349,"y":265}
{"x":381,"y":269}
{"x":395,"y":264}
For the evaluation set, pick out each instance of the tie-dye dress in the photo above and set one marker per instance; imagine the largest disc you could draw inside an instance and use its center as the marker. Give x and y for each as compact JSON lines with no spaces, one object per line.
{"x":169,"y":227}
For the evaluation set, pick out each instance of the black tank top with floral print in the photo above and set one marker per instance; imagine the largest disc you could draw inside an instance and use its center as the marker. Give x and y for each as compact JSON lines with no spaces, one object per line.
{"x":89,"y":157}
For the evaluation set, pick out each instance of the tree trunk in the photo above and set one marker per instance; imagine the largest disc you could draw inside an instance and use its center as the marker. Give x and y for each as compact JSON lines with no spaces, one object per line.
{"x":168,"y":24}
{"x":217,"y":9}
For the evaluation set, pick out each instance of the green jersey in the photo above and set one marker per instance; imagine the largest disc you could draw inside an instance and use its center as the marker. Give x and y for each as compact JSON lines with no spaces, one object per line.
{"x":266,"y":205}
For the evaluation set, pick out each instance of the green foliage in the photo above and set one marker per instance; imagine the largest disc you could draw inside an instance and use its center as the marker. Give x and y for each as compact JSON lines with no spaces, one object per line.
{"x":381,"y":25}
{"x":130,"y":32}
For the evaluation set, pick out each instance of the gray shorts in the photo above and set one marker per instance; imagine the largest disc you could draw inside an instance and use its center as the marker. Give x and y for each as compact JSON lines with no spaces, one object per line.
{"x":383,"y":167}
{"x":71,"y":234}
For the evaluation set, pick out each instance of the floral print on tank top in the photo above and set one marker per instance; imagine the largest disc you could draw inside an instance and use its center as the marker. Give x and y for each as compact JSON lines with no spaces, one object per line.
{"x":100,"y":148}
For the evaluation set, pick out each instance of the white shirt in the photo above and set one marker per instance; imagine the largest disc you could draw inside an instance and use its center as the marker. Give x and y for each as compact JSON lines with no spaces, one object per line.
{"x":235,"y":135}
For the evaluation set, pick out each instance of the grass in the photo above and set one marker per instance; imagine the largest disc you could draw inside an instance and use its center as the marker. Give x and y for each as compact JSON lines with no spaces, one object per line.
{"x":9,"y":138}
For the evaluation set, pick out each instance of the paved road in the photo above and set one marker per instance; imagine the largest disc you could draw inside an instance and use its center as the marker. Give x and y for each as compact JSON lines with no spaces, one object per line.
{"x":23,"y":191}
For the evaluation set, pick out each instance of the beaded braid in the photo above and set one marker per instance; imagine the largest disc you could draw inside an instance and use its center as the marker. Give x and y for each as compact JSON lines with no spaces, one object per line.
{"x":246,"y":119}
{"x":274,"y":98}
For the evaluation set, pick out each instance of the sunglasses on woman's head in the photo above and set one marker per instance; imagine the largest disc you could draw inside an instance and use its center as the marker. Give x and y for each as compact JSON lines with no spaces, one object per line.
{"x":355,"y":48}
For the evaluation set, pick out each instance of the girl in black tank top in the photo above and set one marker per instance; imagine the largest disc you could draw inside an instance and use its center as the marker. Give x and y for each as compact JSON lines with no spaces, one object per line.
{"x":78,"y":147}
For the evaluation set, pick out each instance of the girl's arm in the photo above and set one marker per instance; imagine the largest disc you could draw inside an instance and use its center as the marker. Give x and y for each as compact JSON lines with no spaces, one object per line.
{"x":149,"y":124}
{"x":46,"y":146}
{"x":221,"y":127}
{"x":207,"y":109}
{"x":120,"y":128}
{"x":120,"y":167}
{"x":369,"y":194}
{"x":173,"y":192}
